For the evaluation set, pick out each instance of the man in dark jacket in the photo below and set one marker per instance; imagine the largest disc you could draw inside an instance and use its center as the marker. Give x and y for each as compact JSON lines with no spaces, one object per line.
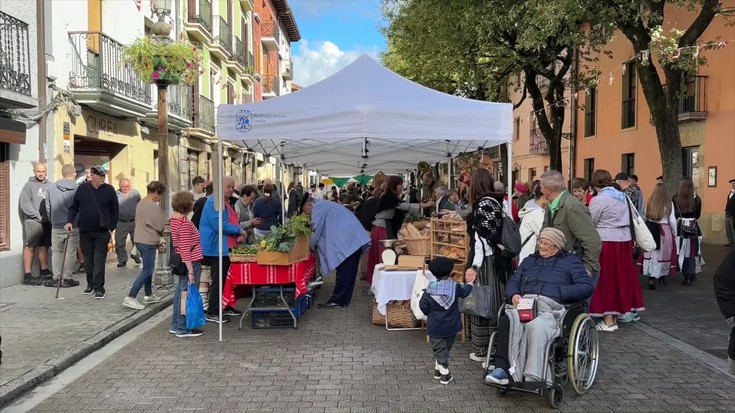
{"x":95,"y":204}
{"x":724,"y":281}
{"x":59,"y":199}
{"x":730,"y":214}
{"x":36,"y":229}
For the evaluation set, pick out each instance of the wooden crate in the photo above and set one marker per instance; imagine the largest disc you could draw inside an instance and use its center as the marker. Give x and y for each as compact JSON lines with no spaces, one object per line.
{"x":299,"y":252}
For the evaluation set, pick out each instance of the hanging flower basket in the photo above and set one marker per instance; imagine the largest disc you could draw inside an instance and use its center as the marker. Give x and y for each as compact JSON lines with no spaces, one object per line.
{"x":163,"y":62}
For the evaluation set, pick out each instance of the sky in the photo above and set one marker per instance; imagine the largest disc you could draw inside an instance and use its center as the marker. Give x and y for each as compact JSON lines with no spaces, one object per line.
{"x":333,"y":34}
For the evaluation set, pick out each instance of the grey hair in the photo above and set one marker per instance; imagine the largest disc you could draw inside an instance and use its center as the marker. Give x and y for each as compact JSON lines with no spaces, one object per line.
{"x":441,"y":191}
{"x":499,"y":186}
{"x":553,"y":180}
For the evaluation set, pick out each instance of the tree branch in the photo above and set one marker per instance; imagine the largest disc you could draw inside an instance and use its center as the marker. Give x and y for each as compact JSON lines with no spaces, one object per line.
{"x":710,"y":8}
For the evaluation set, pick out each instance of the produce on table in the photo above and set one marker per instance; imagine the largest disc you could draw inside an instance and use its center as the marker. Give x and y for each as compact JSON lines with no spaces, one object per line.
{"x":281,"y":239}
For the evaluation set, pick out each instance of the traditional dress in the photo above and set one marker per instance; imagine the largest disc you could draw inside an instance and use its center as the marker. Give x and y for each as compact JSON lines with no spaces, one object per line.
{"x":662,"y":261}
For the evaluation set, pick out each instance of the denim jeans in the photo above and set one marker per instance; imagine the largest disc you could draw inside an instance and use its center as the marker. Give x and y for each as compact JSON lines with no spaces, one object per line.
{"x":178,"y":321}
{"x":145,"y":278}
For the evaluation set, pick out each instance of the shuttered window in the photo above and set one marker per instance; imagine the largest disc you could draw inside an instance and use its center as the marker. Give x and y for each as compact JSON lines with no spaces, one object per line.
{"x":94,"y":24}
{"x":4,"y":197}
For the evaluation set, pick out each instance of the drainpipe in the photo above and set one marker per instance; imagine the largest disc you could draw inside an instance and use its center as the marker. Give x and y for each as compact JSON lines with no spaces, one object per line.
{"x":42,"y":81}
{"x":573,"y":116}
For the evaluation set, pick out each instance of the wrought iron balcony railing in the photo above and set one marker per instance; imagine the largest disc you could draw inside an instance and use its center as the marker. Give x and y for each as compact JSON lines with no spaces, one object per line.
{"x":96,"y":64}
{"x":202,"y":15}
{"x":271,"y":84}
{"x":695,"y":99}
{"x":224,"y":34}
{"x":240,"y":55}
{"x":179,"y":101}
{"x":204,"y":115}
{"x":537,"y":145}
{"x":15,"y":59}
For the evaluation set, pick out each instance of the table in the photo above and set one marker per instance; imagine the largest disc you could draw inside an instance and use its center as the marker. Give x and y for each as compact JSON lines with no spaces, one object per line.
{"x":393,"y":286}
{"x":251,"y":273}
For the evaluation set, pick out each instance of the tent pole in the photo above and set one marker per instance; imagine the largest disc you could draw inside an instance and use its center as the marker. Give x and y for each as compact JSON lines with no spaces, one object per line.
{"x":510,"y":179}
{"x":449,"y":171}
{"x":220,"y":190}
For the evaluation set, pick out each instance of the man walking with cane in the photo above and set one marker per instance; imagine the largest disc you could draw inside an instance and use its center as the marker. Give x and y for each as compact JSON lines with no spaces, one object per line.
{"x":64,"y":244}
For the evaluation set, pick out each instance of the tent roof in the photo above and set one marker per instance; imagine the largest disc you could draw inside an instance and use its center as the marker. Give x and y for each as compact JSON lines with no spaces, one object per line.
{"x":329,"y":125}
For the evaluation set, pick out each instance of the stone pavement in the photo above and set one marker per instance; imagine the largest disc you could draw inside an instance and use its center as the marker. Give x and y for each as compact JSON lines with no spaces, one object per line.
{"x":337,"y":361}
{"x":42,"y":335}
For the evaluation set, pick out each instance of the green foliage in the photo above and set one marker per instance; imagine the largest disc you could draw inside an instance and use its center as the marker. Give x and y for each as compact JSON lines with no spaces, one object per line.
{"x":249,"y":249}
{"x":173,"y":62}
{"x":283,"y":238}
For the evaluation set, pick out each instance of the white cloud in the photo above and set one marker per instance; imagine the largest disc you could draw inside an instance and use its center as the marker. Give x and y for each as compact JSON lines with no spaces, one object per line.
{"x":313,"y":63}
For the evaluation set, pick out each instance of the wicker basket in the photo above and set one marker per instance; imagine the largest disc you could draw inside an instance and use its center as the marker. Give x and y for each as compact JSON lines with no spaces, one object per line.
{"x":399,"y":315}
{"x":418,"y":246}
{"x":243,"y":258}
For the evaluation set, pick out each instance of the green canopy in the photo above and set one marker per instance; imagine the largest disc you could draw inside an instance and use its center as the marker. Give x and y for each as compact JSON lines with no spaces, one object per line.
{"x":362,"y":179}
{"x":339,"y":182}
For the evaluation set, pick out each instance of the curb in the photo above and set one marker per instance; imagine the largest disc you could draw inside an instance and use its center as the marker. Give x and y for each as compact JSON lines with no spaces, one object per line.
{"x":55,"y":365}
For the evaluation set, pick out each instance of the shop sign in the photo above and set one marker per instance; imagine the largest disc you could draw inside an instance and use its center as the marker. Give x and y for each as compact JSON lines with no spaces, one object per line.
{"x":97,"y":125}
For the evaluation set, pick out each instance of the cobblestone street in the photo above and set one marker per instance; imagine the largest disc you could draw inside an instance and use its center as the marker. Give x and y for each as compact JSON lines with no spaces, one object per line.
{"x":337,"y":361}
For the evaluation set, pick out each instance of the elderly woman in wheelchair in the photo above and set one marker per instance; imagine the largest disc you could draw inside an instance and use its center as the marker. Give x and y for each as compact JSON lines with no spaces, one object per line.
{"x":536,"y":316}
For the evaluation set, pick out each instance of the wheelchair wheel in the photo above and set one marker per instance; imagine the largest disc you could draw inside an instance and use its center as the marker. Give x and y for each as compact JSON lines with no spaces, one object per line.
{"x":490,"y":357}
{"x":501,"y":391}
{"x":556,"y":396}
{"x":582,"y":353}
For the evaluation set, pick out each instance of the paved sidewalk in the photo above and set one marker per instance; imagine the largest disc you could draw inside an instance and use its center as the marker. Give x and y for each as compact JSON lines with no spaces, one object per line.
{"x":42,"y":335}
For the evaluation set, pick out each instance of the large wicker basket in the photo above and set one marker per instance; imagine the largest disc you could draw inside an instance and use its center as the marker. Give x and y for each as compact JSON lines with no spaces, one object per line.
{"x":243,"y":258}
{"x":399,"y":315}
{"x":418,"y":246}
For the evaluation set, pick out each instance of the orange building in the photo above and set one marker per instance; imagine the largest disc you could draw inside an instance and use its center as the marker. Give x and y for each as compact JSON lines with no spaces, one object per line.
{"x":614,"y":130}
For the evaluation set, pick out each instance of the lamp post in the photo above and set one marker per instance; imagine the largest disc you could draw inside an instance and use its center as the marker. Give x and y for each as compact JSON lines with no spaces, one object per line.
{"x":160,"y":34}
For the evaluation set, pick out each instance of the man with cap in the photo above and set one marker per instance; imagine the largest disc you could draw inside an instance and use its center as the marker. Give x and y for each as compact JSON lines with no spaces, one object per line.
{"x":730,"y":214}
{"x":635,"y":189}
{"x":96,"y":207}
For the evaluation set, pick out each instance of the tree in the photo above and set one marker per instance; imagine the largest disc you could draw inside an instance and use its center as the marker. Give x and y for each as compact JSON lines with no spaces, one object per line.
{"x":676,"y":55}
{"x":471,"y":48}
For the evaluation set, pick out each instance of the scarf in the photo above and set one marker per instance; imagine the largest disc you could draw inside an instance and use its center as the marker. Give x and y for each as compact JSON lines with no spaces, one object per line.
{"x":443,"y":292}
{"x":613,"y":193}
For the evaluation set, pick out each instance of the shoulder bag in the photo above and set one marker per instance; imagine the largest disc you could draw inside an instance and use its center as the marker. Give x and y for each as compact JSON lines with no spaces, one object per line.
{"x":510,"y":237}
{"x":104,"y":219}
{"x":642,"y":237}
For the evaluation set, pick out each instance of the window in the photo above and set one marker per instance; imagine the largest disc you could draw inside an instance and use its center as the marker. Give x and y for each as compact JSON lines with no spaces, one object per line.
{"x":627,"y":163}
{"x":629,"y":92}
{"x":589,"y":168}
{"x":516,"y":128}
{"x":590,"y":107}
{"x":4,"y":196}
{"x":690,"y":160}
{"x":531,"y":174}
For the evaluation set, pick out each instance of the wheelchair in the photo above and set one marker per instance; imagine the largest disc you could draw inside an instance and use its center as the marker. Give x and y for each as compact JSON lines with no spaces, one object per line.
{"x":572,"y":357}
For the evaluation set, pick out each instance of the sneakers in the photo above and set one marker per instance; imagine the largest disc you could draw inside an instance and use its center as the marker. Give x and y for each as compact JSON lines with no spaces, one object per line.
{"x":150,"y":299}
{"x":172,"y":331}
{"x":29,"y":279}
{"x":131,"y":302}
{"x":191,"y":333}
{"x":497,"y":376}
{"x":46,"y":275}
{"x":99,"y":295}
{"x":88,"y":290}
{"x":437,"y":373}
{"x":601,"y":326}
{"x":65,"y":283}
{"x":446,"y":376}
{"x":135,"y":258}
{"x":121,"y":264}
{"x":231,"y":312}
{"x":478,"y":356}
{"x":80,"y":269}
{"x":215,"y":319}
{"x":629,"y":318}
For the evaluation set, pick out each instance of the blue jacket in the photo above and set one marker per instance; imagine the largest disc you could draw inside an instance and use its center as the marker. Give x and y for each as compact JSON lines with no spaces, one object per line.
{"x":209,"y":230}
{"x":336,"y":233}
{"x":269,"y":212}
{"x":443,"y":322}
{"x":562,"y":278}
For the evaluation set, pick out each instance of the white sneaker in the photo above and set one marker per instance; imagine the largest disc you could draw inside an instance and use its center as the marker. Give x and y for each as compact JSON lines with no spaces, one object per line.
{"x":151,"y":299}
{"x":601,"y":326}
{"x":477,"y":357}
{"x":132,"y":303}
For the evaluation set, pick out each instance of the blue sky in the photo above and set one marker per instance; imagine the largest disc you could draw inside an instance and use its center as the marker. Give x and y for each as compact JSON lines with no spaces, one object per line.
{"x":333,"y":34}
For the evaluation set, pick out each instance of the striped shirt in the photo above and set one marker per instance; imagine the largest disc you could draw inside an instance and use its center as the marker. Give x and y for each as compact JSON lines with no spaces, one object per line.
{"x":186,"y":239}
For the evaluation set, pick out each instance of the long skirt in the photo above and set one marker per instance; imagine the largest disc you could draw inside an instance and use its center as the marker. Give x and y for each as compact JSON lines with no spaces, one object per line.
{"x":690,"y":255}
{"x":375,"y":253}
{"x":618,"y":291}
{"x":481,"y":328}
{"x":661,"y":262}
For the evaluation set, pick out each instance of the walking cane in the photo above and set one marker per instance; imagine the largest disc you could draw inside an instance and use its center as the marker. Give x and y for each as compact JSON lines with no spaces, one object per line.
{"x":63,"y":262}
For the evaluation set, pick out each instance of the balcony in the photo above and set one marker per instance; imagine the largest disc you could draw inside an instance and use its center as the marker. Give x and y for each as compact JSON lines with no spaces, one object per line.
{"x":287,"y":69}
{"x":537,"y":144}
{"x":179,"y":109}
{"x":15,"y":64}
{"x":222,"y":44}
{"x":239,"y":58}
{"x":693,"y":105}
{"x":100,"y":80}
{"x":271,"y":86}
{"x":199,"y":21}
{"x":270,"y":35}
{"x":203,"y":118}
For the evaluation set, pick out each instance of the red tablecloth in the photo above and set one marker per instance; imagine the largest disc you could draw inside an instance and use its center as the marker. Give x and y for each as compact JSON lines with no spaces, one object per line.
{"x":250,"y":273}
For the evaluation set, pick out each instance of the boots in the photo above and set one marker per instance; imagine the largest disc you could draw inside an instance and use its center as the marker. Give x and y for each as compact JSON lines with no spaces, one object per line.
{"x":29,"y":279}
{"x":688,"y":279}
{"x":651,"y":283}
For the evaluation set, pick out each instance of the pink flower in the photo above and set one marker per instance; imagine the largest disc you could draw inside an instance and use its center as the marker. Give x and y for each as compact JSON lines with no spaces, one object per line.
{"x":155,"y":75}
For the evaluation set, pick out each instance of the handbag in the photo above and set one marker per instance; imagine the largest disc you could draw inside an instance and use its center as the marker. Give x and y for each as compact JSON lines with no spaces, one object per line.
{"x":420,"y":283}
{"x":480,"y":302}
{"x":194,"y":308}
{"x":510,"y":237}
{"x":176,"y":263}
{"x":642,"y":237}
{"x":104,"y":219}
{"x":527,"y":309}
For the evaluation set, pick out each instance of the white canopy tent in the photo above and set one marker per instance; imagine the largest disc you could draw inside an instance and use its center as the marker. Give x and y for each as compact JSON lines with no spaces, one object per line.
{"x":365,"y":118}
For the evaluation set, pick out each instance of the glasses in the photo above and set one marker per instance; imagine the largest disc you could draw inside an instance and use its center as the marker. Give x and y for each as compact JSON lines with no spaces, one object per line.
{"x":546,"y":244}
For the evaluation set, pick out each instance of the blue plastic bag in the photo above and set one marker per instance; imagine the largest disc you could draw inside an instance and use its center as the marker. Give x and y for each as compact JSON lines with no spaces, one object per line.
{"x":194,"y":308}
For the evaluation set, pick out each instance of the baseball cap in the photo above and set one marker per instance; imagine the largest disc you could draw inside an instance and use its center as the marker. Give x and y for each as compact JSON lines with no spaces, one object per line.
{"x":622,"y":176}
{"x":98,"y":170}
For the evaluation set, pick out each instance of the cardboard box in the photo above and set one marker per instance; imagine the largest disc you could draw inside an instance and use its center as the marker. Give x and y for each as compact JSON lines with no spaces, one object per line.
{"x":414,"y":261}
{"x":299,"y":252}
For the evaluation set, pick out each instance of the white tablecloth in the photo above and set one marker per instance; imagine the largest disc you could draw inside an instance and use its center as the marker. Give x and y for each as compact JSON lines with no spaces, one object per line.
{"x":393,"y":285}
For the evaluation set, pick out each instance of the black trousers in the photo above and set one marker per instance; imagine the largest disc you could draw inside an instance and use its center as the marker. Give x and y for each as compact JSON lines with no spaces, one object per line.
{"x":213,"y":263}
{"x":731,"y":347}
{"x":94,"y":247}
{"x":441,"y":346}
{"x":345,"y":280}
{"x":501,"y":343}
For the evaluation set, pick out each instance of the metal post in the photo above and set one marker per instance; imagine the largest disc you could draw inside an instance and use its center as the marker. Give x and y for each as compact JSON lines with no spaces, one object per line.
{"x":164,"y":277}
{"x":220,"y":190}
{"x":509,"y":189}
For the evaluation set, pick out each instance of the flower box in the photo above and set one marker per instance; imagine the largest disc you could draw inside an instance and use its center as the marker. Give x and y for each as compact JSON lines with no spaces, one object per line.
{"x":299,"y":252}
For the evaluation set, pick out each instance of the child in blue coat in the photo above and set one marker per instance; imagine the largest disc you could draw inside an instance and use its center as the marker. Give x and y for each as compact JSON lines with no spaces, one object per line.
{"x":441,"y":306}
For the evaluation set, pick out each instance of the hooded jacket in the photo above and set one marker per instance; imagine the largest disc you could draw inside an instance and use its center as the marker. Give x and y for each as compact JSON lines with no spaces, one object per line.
{"x":59,"y":198}
{"x":32,"y":202}
{"x":443,"y":322}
